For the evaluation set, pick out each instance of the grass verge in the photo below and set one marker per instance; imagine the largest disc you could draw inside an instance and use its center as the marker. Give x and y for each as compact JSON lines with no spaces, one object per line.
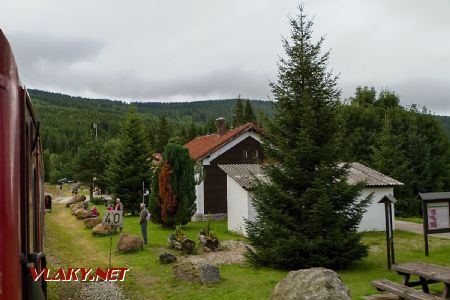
{"x":70,"y":244}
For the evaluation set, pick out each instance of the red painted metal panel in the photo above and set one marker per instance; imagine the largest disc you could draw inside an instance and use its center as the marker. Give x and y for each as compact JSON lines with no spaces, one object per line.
{"x":11,"y":115}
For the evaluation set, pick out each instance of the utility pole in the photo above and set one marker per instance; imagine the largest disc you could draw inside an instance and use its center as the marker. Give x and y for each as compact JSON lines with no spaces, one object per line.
{"x":94,"y":125}
{"x":143,"y":191}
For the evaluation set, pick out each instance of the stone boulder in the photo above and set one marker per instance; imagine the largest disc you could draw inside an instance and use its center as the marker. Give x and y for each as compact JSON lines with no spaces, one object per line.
{"x":101,"y":230}
{"x":167,"y":258}
{"x":83,"y":214}
{"x":199,"y":271}
{"x":309,"y":284}
{"x":76,"y":206}
{"x":92,"y":222}
{"x":209,"y":243}
{"x":129,"y":243}
{"x":186,"y":245}
{"x":75,"y":199}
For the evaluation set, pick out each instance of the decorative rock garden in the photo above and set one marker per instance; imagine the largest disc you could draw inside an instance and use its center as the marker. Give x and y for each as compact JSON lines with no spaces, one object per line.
{"x":208,"y":239}
{"x":167,"y":258}
{"x":181,"y":242}
{"x":201,"y":271}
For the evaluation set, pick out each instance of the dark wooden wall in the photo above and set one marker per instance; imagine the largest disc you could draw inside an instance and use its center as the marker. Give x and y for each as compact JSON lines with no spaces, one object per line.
{"x":215,"y":196}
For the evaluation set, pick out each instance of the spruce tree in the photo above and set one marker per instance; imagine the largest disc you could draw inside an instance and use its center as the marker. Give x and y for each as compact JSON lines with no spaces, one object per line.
{"x":89,"y":165}
{"x":307,"y":213}
{"x":129,"y":163}
{"x":162,"y":134}
{"x":238,"y":113}
{"x":181,"y":185}
{"x":192,"y":134}
{"x":249,"y":115}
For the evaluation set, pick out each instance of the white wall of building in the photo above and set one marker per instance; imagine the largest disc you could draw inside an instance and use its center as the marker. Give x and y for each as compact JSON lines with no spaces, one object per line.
{"x":374,"y":218}
{"x":200,"y":199}
{"x":237,"y":206}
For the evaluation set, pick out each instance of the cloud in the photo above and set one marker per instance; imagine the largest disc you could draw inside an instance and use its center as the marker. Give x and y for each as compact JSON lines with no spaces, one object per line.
{"x":33,"y":49}
{"x":195,"y":49}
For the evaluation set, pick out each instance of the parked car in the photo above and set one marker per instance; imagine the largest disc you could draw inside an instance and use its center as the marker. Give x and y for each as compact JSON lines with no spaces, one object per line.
{"x":62,"y":181}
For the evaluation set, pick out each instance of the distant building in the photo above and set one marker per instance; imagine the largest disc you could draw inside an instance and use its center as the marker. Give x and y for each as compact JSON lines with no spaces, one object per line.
{"x":240,"y":183}
{"x":241,"y":145}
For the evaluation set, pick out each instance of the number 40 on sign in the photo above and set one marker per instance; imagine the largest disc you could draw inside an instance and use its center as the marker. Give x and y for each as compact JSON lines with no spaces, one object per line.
{"x":112,"y":218}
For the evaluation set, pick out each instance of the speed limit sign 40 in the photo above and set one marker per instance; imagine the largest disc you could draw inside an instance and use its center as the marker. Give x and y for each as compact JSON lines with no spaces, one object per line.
{"x":112,"y":217}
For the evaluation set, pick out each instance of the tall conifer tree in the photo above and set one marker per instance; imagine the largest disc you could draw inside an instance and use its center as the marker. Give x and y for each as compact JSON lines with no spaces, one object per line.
{"x":89,"y":166}
{"x":182,"y":186}
{"x":162,"y":134}
{"x":249,"y":115}
{"x":129,"y":165}
{"x":307,"y":212}
{"x":238,"y":113}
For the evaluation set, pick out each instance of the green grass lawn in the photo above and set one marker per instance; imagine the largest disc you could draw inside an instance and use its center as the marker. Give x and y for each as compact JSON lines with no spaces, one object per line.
{"x":410,"y":219}
{"x":69,"y":244}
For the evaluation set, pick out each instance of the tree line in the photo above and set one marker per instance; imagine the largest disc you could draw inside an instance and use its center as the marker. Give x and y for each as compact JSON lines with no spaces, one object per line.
{"x":67,"y":124}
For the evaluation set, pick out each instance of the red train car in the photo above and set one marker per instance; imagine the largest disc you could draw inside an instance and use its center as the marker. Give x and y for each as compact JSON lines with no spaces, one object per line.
{"x":21,"y":186}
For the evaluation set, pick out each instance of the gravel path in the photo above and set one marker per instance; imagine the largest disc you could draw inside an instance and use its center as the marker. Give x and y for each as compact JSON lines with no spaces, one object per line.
{"x":417,"y":228}
{"x":100,"y":291}
{"x":232,"y":253}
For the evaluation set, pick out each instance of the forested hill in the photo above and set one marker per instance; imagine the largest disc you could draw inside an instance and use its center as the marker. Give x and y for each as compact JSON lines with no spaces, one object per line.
{"x":445,"y":121}
{"x":64,"y":117}
{"x":195,"y":111}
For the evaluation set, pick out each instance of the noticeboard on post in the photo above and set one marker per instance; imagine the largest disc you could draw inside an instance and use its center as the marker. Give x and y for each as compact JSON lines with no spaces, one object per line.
{"x":112,"y":218}
{"x":436,"y":214}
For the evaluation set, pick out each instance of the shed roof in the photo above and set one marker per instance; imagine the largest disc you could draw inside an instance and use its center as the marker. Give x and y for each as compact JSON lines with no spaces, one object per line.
{"x":244,"y":174}
{"x":202,"y":146}
{"x":359,"y":172}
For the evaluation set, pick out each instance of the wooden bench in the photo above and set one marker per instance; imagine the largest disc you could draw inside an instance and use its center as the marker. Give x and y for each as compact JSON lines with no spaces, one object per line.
{"x":403,"y":291}
{"x":427,"y":274}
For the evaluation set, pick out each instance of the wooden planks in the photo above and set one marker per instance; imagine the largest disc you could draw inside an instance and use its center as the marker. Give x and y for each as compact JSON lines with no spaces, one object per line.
{"x":402,"y":290}
{"x":423,"y":270}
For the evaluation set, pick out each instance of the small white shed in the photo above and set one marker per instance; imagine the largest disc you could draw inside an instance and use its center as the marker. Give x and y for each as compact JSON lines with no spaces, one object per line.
{"x":240,"y":181}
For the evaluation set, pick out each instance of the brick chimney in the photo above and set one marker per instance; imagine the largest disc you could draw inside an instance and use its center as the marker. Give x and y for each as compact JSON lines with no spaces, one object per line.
{"x":220,"y":126}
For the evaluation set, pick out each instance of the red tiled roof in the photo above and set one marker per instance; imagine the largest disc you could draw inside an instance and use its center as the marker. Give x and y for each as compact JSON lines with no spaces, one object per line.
{"x":202,"y":146}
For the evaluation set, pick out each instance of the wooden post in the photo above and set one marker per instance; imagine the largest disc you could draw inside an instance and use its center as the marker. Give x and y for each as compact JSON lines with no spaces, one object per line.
{"x":425,"y":226}
{"x":388,"y":201}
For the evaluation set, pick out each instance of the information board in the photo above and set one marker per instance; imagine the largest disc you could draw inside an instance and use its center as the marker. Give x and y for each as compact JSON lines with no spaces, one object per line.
{"x":438,"y":215}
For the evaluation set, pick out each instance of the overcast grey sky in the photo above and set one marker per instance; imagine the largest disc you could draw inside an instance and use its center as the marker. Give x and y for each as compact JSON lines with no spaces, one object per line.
{"x":170,"y":50}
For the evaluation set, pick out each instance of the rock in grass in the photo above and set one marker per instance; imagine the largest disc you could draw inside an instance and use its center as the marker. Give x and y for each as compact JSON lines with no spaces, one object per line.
{"x":92,"y":222}
{"x":83,"y":214}
{"x":167,"y":258}
{"x":101,"y":230}
{"x":76,"y":206}
{"x":129,"y":243}
{"x":314,"y":283}
{"x":75,"y":199}
{"x":202,"y":272}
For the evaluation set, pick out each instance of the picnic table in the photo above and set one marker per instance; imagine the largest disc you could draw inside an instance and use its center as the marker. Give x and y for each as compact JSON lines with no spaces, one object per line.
{"x":426,"y":273}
